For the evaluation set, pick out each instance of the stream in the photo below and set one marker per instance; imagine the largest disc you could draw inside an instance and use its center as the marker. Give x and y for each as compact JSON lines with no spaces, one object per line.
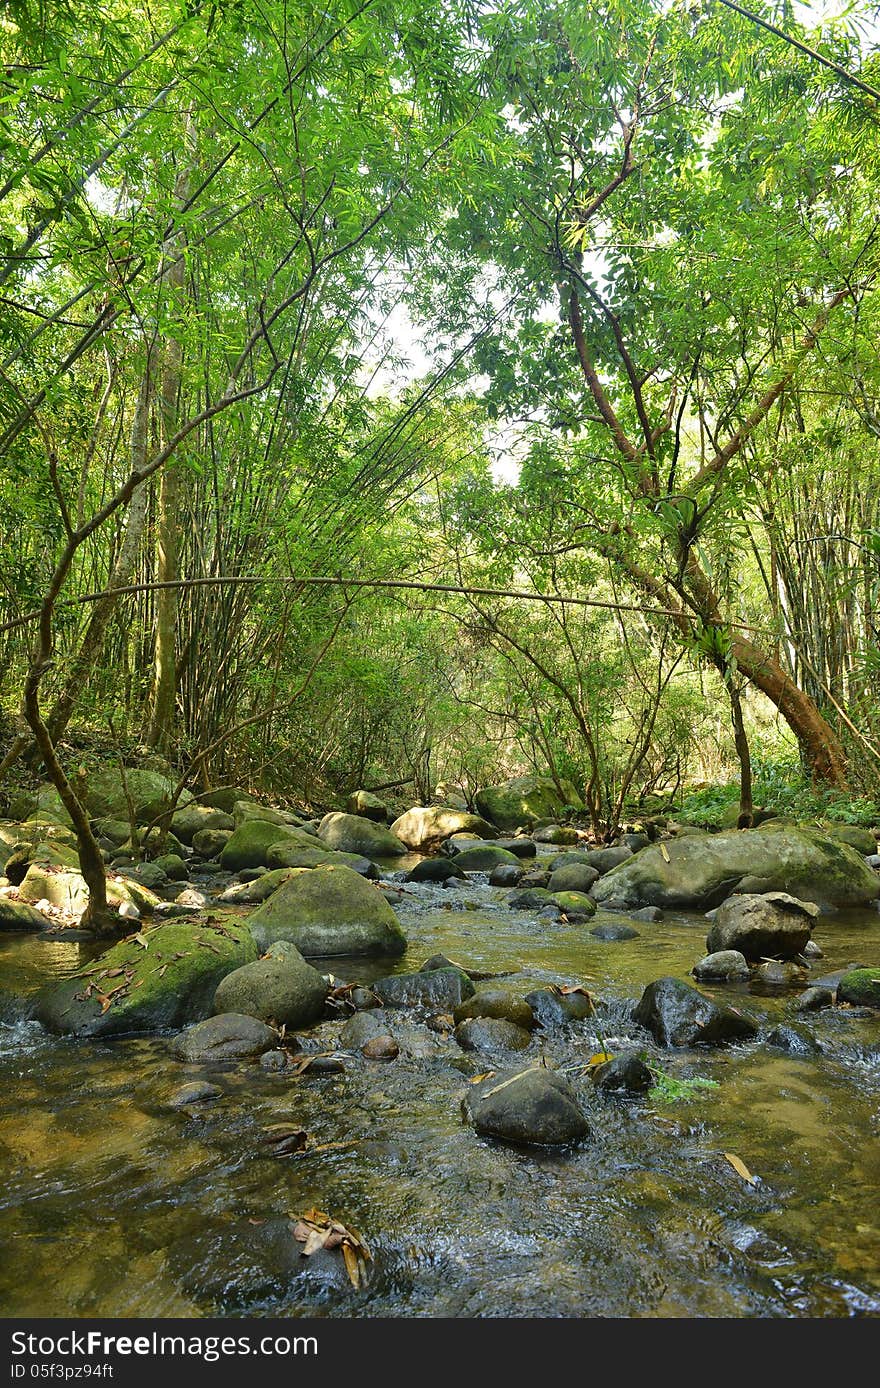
{"x":113,"y":1204}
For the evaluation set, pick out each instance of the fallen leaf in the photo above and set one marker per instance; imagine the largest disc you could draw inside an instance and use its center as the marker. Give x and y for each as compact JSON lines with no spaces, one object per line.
{"x":141,"y":940}
{"x":599,"y":1059}
{"x":664,"y":850}
{"x":352,"y":1265}
{"x":740,"y":1168}
{"x":314,"y":1241}
{"x":477,"y":1079}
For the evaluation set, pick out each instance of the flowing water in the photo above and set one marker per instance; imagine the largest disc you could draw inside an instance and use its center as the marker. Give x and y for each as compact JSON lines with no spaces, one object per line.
{"x":113,"y":1204}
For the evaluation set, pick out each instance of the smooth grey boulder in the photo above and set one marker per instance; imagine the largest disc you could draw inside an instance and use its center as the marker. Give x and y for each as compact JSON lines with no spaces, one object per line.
{"x":624,"y":1074}
{"x":362,"y":1027}
{"x":724,"y":966}
{"x":438,"y":989}
{"x":427,"y":825}
{"x":773,"y":925}
{"x":229,"y":1036}
{"x":573,"y":877}
{"x":535,"y":1107}
{"x":677,"y":1015}
{"x":492,"y":1034}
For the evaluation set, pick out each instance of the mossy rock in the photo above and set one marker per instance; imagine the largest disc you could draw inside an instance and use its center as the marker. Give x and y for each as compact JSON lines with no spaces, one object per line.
{"x":107,"y":794}
{"x":575,"y":903}
{"x":66,"y":888}
{"x":426,"y":825}
{"x":862,"y":840}
{"x":248,"y":847}
{"x":860,"y":987}
{"x":351,"y":833}
{"x":698,"y":873}
{"x":168,"y":984}
{"x":17,"y":916}
{"x":526,"y":800}
{"x":483,"y":857}
{"x":187,"y":822}
{"x":328,"y":911}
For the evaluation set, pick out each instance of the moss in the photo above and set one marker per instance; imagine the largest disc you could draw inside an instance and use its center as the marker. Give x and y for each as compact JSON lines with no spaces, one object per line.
{"x":167,"y":977}
{"x":861,"y":987}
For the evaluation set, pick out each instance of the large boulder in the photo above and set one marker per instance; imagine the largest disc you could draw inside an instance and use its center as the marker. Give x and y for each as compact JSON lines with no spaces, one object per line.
{"x":65,"y":887}
{"x":243,"y":811}
{"x":249,"y":846}
{"x":496,"y":1003}
{"x":427,"y":825}
{"x":772,"y":926}
{"x":18,"y":916}
{"x":862,"y":840}
{"x":525,"y":800}
{"x":107,"y":794}
{"x":186,"y":823}
{"x":699,"y":872}
{"x":328,"y":911}
{"x":572,"y":877}
{"x":282,"y":989}
{"x":677,"y":1015}
{"x":860,"y":987}
{"x":491,"y":1034}
{"x":535,"y":1107}
{"x":351,"y":833}
{"x":160,"y":978}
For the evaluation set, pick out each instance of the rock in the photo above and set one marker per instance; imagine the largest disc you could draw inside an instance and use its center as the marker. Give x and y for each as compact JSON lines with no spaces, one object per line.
{"x":780,"y":973}
{"x":223,"y":798}
{"x":380,"y":1048}
{"x":495,"y":1002}
{"x":428,"y":825}
{"x":352,"y":834}
{"x":705,"y":869}
{"x":555,"y":833}
{"x":362,"y":1027}
{"x":520,"y":847}
{"x":173,"y":867}
{"x":434,"y":870}
{"x":505,"y":875}
{"x":149,"y":875}
{"x":227,"y":1036}
{"x":492,"y":1034}
{"x":860,"y":986}
{"x":210,"y":843}
{"x":178,"y":974}
{"x":107,"y":794}
{"x":575,"y":905}
{"x":194,"y":1093}
{"x":364,"y":802}
{"x":624,"y":1074}
{"x":116,"y":831}
{"x":284,"y":991}
{"x":862,"y":840}
{"x":724,"y":966}
{"x":532,"y":899}
{"x":525,"y":800}
{"x":238,"y":1264}
{"x":774,"y":925}
{"x":552,"y":1008}
{"x":363,"y":999}
{"x":812,"y":951}
{"x":257,"y":889}
{"x":440,"y":961}
{"x":811,"y":999}
{"x":290,"y":855}
{"x":573,"y":877}
{"x":793,"y":1042}
{"x":605,"y":859}
{"x":189,"y":821}
{"x":68,"y":890}
{"x":437,"y":989}
{"x":648,"y":913}
{"x":274,"y":1061}
{"x":534,"y":877}
{"x":484,"y":857}
{"x":329,"y":911}
{"x":534,"y":1107}
{"x":636,"y":841}
{"x":873,"y":861}
{"x":249,"y":845}
{"x":19,"y":916}
{"x":247,"y":811}
{"x":614,"y":930}
{"x":677,"y":1015}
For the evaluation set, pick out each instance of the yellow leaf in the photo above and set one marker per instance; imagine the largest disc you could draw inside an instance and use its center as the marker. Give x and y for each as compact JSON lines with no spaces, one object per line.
{"x":352,"y":1265}
{"x":740,"y":1168}
{"x":665,"y":852}
{"x":599,"y":1058}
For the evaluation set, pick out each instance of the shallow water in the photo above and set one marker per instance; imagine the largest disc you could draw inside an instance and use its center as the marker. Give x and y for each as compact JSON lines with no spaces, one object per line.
{"x":114,"y":1205}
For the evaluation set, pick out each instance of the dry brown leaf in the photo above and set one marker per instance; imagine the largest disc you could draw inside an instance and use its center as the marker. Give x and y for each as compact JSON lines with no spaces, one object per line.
{"x":331,"y":1146}
{"x":301,"y":1231}
{"x":314,"y":1241}
{"x":740,"y":1168}
{"x":477,"y":1079}
{"x":352,"y":1265}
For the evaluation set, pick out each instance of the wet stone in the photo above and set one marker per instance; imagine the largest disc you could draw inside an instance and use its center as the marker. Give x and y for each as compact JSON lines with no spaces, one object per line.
{"x":491,"y":1034}
{"x":625,"y":1074}
{"x":532,"y":1107}
{"x":196,"y":1092}
{"x":552,"y":1009}
{"x":812,"y":999}
{"x":362,"y":1027}
{"x":614,"y":931}
{"x":793,"y":1041}
{"x":380,"y":1048}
